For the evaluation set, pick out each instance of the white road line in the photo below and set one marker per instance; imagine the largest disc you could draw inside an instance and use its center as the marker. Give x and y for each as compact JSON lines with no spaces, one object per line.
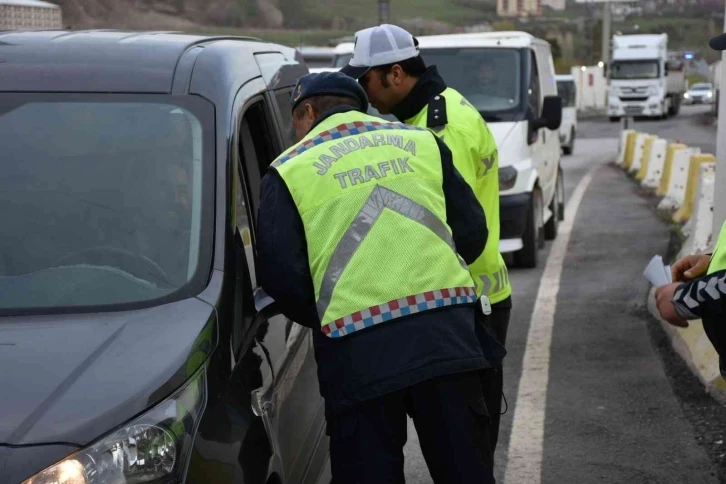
{"x":526,"y":445}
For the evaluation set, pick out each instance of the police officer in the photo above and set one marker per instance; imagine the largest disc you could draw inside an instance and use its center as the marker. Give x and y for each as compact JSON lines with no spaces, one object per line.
{"x":365,"y":229}
{"x":387,"y":63}
{"x":699,"y":292}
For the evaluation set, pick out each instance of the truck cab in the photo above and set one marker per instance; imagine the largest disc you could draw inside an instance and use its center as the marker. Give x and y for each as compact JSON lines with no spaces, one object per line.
{"x":643,"y":82}
{"x":510,"y":78}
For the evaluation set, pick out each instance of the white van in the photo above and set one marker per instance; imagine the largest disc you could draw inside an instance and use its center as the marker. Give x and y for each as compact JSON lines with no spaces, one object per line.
{"x":568,"y":129}
{"x":510,"y":78}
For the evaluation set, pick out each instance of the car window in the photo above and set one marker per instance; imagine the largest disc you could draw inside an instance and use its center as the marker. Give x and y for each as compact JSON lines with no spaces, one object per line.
{"x":282,"y":97}
{"x":534,"y":88}
{"x":101,"y":201}
{"x":566,"y":90}
{"x":257,"y":149}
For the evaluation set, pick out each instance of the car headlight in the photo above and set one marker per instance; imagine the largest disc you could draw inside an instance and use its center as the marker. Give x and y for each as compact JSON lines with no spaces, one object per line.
{"x":154,"y":447}
{"x":507,"y":177}
{"x":687,"y":96}
{"x":709,"y":94}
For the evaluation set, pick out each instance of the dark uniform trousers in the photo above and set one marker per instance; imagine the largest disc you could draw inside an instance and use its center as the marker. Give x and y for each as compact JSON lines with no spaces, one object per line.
{"x":492,"y":379}
{"x":452,"y":422}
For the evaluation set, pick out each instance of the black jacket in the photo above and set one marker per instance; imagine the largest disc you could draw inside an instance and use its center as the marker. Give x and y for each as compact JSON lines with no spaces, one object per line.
{"x":391,"y":356}
{"x":705,"y":298}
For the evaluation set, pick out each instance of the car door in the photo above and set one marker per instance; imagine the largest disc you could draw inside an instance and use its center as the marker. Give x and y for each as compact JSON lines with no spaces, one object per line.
{"x":539,"y":146}
{"x":289,"y":400}
{"x":552,"y":148}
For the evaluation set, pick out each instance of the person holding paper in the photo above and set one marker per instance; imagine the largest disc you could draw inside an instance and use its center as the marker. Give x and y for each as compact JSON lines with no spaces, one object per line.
{"x":699,"y":291}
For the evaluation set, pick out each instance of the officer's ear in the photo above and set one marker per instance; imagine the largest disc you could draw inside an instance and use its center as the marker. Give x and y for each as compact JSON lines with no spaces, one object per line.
{"x":397,"y":75}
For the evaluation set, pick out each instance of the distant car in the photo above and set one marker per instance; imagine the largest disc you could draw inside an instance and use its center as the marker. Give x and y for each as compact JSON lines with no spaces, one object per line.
{"x":702,"y":93}
{"x":566,"y":89}
{"x":136,"y":344}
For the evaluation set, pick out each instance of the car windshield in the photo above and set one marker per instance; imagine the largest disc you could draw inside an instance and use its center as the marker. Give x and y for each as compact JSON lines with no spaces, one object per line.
{"x":635,"y":70}
{"x":566,"y":90}
{"x":701,"y":87}
{"x":490,"y":79}
{"x":100,"y":198}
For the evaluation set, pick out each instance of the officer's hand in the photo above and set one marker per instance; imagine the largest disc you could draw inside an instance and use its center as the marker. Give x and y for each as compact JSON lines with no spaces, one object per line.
{"x":664,"y":302}
{"x":691,"y":267}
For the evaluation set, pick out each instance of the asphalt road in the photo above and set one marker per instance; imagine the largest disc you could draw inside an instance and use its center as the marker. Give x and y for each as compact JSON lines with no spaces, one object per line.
{"x":611,"y":408}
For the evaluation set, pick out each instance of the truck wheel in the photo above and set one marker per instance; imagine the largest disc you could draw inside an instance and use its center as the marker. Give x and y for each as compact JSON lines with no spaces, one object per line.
{"x":533,"y":238}
{"x":571,"y":147}
{"x":614,"y":119}
{"x":675,"y":107}
{"x":557,"y":208}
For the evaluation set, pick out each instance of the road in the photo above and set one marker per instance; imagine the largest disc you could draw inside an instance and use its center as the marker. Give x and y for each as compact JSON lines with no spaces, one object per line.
{"x":601,"y":400}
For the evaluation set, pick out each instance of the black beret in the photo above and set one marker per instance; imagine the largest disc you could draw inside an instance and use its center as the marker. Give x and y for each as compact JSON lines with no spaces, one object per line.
{"x":328,"y":84}
{"x":718,"y":42}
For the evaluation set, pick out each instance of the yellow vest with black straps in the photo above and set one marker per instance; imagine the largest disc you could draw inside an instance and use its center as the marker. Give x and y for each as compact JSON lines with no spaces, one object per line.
{"x":371,"y":200}
{"x":453,"y":119}
{"x":718,"y":260}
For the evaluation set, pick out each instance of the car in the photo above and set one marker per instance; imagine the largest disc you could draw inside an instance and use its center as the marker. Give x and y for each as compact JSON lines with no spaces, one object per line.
{"x":701,"y":93}
{"x":510,"y":79}
{"x":567,"y":90}
{"x":136,"y":342}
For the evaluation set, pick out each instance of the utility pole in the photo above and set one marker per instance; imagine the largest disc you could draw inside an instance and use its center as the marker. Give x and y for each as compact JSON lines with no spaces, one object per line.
{"x":719,"y":203}
{"x":384,"y":12}
{"x":607,"y":19}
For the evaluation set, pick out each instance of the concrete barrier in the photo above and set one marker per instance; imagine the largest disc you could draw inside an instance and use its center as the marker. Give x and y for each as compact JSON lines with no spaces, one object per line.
{"x":676,"y":193}
{"x":684,"y":213}
{"x":623,"y":146}
{"x":638,"y":153}
{"x":645,"y":158}
{"x":630,"y":149}
{"x":665,"y":179}
{"x":699,"y":228}
{"x":655,"y":163}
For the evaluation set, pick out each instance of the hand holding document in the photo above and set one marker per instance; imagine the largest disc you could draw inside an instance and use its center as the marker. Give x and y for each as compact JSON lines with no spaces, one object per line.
{"x":657,"y":272}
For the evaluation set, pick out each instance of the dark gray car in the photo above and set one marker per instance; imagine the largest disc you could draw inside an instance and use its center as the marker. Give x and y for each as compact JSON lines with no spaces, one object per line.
{"x":134,"y":345}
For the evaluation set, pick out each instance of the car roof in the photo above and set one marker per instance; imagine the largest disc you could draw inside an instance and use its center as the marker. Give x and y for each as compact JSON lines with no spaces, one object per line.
{"x":111,"y":61}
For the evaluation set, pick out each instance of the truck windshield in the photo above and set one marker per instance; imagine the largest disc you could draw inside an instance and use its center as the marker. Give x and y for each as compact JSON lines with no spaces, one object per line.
{"x":641,"y":69}
{"x":566,"y":90}
{"x":101,"y":199}
{"x":489,"y":78}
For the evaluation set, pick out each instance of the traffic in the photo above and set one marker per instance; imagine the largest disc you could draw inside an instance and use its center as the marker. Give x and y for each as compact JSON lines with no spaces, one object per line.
{"x":422,"y":262}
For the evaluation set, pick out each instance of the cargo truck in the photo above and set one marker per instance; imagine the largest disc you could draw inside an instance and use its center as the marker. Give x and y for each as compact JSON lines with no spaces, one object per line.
{"x":643,"y":82}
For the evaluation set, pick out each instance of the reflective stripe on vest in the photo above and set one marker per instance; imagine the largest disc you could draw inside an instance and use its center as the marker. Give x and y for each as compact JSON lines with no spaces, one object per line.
{"x":718,"y":260}
{"x":378,"y":244}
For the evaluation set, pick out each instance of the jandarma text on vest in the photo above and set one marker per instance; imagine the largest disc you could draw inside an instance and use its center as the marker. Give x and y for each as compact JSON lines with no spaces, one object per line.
{"x":351,"y":144}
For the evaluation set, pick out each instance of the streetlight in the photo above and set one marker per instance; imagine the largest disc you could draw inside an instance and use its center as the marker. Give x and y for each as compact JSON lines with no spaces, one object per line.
{"x":583,"y":68}
{"x":384,"y":11}
{"x":601,"y":64}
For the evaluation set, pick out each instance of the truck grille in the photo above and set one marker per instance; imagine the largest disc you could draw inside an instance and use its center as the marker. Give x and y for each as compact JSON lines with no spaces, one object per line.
{"x":634,"y":110}
{"x":634,"y":99}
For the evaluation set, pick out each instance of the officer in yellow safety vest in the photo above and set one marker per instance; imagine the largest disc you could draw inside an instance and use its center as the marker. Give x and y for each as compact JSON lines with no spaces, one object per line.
{"x":700,"y":292}
{"x":387,"y":63}
{"x":365,"y":232}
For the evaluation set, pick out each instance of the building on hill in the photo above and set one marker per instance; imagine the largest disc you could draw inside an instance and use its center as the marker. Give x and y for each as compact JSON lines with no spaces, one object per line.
{"x":520,"y":8}
{"x":558,"y":5}
{"x":29,"y":15}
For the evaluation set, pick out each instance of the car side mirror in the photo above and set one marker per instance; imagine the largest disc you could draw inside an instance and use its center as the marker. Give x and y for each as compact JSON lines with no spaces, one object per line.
{"x":551,"y":114}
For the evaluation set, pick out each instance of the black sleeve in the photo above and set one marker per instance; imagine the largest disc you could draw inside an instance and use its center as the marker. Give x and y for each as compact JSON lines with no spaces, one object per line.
{"x":464,"y":213}
{"x":702,"y":297}
{"x":283,"y":268}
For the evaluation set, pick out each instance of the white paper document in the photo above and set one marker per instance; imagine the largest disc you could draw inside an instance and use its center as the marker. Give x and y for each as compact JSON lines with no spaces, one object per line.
{"x":657,"y":272}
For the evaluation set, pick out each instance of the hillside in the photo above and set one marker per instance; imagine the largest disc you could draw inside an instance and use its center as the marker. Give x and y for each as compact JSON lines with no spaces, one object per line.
{"x":343,"y":15}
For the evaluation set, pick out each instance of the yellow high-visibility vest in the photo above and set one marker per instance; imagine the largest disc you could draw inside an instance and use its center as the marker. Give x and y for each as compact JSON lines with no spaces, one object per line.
{"x":476,"y":157}
{"x":370,"y":195}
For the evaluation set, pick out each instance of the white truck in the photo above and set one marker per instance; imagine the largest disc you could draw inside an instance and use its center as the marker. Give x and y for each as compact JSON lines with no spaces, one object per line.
{"x":643,"y":82}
